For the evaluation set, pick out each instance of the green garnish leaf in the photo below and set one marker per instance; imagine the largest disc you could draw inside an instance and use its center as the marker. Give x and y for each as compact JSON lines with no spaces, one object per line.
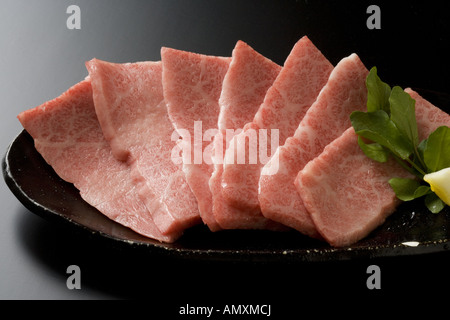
{"x":389,"y":128}
{"x":422,"y":191}
{"x":421,"y":148}
{"x":436,"y":153}
{"x":434,"y":203}
{"x":403,"y":114}
{"x":408,"y":189}
{"x":377,"y":127}
{"x":374,"y":151}
{"x":378,"y":92}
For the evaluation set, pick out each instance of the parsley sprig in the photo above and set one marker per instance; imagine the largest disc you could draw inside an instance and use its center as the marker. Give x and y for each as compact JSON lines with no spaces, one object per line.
{"x":389,"y":129}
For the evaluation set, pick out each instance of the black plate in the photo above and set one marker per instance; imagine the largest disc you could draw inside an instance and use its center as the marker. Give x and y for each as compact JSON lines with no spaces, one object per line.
{"x":410,"y":230}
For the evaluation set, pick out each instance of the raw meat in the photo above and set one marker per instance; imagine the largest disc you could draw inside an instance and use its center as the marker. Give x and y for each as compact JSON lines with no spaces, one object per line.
{"x":130,"y":106}
{"x":67,"y":134}
{"x":246,"y":82}
{"x":346,"y":193}
{"x":192,"y":84}
{"x":428,"y":116}
{"x":326,"y":120}
{"x":295,"y":89}
{"x":244,"y":87}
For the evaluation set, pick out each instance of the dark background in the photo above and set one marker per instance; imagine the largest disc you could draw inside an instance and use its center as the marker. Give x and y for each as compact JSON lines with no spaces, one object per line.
{"x":40,"y":58}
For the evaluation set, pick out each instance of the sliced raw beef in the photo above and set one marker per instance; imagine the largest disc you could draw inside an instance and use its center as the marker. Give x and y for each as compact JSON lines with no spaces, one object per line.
{"x":192,"y":85}
{"x":244,"y":87}
{"x":296,"y":87}
{"x":326,"y":120}
{"x":246,"y":82}
{"x":130,"y":106}
{"x":428,"y":116}
{"x":346,"y":193}
{"x":67,"y":134}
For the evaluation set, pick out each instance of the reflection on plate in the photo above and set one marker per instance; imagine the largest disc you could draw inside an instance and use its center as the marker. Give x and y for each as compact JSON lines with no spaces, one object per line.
{"x":410,"y":230}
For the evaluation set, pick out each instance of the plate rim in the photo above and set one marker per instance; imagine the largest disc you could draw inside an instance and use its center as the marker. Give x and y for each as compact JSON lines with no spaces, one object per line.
{"x":305,"y":255}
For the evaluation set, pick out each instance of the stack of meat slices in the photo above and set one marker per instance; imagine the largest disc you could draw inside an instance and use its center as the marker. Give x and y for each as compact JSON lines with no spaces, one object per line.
{"x":131,"y":138}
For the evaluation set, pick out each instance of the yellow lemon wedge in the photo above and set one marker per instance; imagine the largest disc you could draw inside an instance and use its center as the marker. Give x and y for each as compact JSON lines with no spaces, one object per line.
{"x":440,"y":183}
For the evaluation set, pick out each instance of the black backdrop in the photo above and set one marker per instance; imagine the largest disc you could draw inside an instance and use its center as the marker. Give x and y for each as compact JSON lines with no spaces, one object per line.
{"x":410,"y":49}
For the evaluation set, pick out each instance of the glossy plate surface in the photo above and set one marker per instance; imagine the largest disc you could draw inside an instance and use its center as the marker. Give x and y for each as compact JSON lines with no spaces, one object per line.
{"x":410,"y":230}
